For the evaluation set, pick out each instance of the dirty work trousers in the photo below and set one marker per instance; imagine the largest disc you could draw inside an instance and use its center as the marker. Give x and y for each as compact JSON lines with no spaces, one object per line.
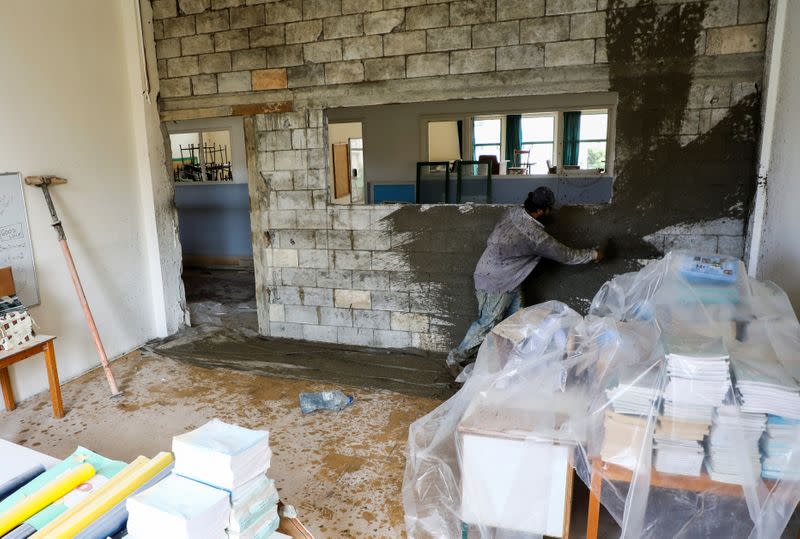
{"x":493,"y":308}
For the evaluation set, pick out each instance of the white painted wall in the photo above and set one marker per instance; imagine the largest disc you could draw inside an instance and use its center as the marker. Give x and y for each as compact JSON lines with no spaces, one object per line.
{"x":779,"y":255}
{"x":71,"y":104}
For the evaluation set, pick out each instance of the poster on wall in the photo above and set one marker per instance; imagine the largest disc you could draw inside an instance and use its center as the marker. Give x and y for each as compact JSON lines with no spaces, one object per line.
{"x":15,"y":238}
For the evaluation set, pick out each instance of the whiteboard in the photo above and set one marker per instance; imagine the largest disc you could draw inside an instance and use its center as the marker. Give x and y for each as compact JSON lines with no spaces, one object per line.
{"x":15,"y":238}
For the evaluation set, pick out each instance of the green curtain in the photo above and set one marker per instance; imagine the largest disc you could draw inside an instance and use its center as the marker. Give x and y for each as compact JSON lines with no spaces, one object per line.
{"x":572,"y":130}
{"x":513,"y":137}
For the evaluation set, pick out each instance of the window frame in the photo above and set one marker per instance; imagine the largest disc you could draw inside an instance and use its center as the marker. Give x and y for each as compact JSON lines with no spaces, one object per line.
{"x":474,"y":146}
{"x":237,"y":154}
{"x":556,"y":132}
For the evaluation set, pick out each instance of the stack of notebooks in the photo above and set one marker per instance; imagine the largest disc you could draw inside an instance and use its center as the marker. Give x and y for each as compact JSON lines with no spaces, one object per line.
{"x":733,"y":451}
{"x":763,"y":385}
{"x":623,"y":440}
{"x":679,"y":446}
{"x":236,"y":460}
{"x":699,"y":377}
{"x":777,"y":445}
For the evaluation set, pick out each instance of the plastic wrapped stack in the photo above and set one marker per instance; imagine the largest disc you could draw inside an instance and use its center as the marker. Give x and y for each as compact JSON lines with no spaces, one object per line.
{"x":675,"y":400}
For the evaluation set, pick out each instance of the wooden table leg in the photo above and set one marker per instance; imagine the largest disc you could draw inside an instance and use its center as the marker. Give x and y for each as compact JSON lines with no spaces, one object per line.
{"x":52,"y":378}
{"x":8,"y":393}
{"x":593,"y":518}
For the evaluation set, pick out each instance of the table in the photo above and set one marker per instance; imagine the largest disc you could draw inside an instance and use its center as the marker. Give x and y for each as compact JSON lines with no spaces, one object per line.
{"x":40,"y":344}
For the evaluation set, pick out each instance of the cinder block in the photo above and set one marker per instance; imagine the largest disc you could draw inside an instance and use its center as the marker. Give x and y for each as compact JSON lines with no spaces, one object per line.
{"x":204,"y":84}
{"x":560,"y":7}
{"x":288,"y":55}
{"x":190,"y":7}
{"x":283,"y":258}
{"x":183,"y":66}
{"x":344,"y":72}
{"x":299,"y":143}
{"x":586,"y":25}
{"x":231,"y":40}
{"x":370,"y":280}
{"x":409,"y":322}
{"x":389,"y":261}
{"x":284,"y":11}
{"x":751,"y":11}
{"x":516,"y":9}
{"x":320,"y":333}
{"x":600,"y":51}
{"x":391,"y":4}
{"x":298,"y":277}
{"x":344,"y":26}
{"x":282,"y":219}
{"x":307,"y":75}
{"x":179,"y":26}
{"x":168,"y":48}
{"x":566,"y":53}
{"x":287,"y":295}
{"x":332,"y":316}
{"x":323,"y":51}
{"x":735,"y":39}
{"x":158,"y":30}
{"x":212,"y":21}
{"x":545,"y":29}
{"x":250,"y":59}
{"x":497,"y":34}
{"x":340,"y":239}
{"x":222,"y":4}
{"x":303,"y":31}
{"x":371,"y":319}
{"x":331,"y":278}
{"x":277,"y":313}
{"x":181,"y":87}
{"x":449,"y":39}
{"x":301,"y":314}
{"x":165,"y":9}
{"x":408,"y":281}
{"x":237,"y":81}
{"x":371,"y":240}
{"x":270,"y":79}
{"x":355,"y":336}
{"x":319,"y":9}
{"x":200,"y":44}
{"x":294,"y":239}
{"x":472,"y":12}
{"x":404,"y":43}
{"x":320,"y":297}
{"x":721,"y":13}
{"x":313,"y":258}
{"x":390,"y":301}
{"x":352,"y":260}
{"x":247,"y":16}
{"x":294,"y":200}
{"x":215,"y":63}
{"x":273,"y":141}
{"x":286,"y":331}
{"x":472,"y":61}
{"x":267,"y":36}
{"x":428,"y":65}
{"x":314,"y":140}
{"x":312,"y":219}
{"x":520,"y":57}
{"x":362,"y":47}
{"x":291,"y":160}
{"x":431,"y":16}
{"x":392,"y":339}
{"x":383,"y":22}
{"x":361,"y":6}
{"x":352,"y":299}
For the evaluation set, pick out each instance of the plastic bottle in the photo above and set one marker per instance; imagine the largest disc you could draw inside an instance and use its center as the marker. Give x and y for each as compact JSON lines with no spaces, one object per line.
{"x":324,"y":400}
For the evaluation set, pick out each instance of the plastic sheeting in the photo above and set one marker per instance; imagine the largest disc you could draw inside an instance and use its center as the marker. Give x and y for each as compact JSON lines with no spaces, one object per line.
{"x":677,"y":397}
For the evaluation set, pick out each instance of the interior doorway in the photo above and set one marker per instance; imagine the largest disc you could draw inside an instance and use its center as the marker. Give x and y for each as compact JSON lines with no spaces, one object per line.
{"x":346,"y":163}
{"x":209,"y":169}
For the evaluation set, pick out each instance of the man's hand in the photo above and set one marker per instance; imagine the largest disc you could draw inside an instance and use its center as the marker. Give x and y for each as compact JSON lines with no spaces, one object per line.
{"x":599,"y":255}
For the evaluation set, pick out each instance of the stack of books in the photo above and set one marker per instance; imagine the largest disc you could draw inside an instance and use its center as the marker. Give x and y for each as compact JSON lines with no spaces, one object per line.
{"x":763,"y":384}
{"x":178,"y":508}
{"x":733,"y":450}
{"x":679,"y":446}
{"x":777,"y":445}
{"x":235,"y":460}
{"x":624,"y":437}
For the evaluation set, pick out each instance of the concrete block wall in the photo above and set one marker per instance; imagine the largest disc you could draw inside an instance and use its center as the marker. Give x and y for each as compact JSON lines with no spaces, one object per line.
{"x":686,"y":73}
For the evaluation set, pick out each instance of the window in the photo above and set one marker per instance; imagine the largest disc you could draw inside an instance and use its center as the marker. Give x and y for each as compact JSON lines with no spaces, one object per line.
{"x":592,"y":140}
{"x":203,"y":156}
{"x":487,"y":136}
{"x":538,"y":137}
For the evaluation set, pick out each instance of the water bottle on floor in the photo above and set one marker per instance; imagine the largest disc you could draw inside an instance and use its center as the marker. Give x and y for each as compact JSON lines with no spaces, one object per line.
{"x":324,"y":400}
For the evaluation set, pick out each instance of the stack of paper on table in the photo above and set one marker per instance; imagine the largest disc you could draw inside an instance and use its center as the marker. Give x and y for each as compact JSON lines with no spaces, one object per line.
{"x":763,"y":384}
{"x":623,"y":440}
{"x":733,"y":452}
{"x":780,"y":445}
{"x":678,"y":446}
{"x":222,"y":455}
{"x":636,"y":394}
{"x":179,"y":508}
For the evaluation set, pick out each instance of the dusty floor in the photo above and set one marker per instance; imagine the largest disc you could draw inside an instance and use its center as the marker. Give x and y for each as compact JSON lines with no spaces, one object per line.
{"x":221,"y":296}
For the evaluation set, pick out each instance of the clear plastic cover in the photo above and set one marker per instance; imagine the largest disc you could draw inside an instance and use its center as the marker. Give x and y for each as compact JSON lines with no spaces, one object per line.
{"x":676,"y":401}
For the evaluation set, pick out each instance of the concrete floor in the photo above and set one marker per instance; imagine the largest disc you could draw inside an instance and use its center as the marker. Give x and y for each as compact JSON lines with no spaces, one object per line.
{"x":221,"y":296}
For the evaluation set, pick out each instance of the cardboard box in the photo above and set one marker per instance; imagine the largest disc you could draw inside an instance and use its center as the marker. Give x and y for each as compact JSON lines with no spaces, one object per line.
{"x":7,"y":282}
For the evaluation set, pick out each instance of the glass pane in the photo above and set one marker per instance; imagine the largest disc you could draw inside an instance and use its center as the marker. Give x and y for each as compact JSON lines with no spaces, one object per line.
{"x":443,"y":143}
{"x":486,"y":131}
{"x":594,"y":126}
{"x":217,"y":156}
{"x":356,"y":143}
{"x":592,"y":155}
{"x":538,"y":128}
{"x":184,"y":140}
{"x":539,"y":155}
{"x":493,"y":149}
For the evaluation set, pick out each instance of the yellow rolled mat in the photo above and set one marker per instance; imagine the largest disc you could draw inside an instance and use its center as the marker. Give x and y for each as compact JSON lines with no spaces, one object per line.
{"x":125,"y":483}
{"x":52,"y":491}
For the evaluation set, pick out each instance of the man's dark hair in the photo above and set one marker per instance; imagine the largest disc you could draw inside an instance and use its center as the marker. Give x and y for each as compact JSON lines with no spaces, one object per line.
{"x":540,"y":199}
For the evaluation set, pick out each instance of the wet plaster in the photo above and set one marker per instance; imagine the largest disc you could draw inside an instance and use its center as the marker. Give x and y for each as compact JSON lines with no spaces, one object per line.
{"x":343,"y":471}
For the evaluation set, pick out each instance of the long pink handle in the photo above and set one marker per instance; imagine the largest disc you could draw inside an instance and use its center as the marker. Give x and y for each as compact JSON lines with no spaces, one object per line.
{"x":101,"y":351}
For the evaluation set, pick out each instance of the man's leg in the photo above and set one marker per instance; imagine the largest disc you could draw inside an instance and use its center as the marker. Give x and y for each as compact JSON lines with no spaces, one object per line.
{"x":517,"y":302}
{"x":491,"y":310}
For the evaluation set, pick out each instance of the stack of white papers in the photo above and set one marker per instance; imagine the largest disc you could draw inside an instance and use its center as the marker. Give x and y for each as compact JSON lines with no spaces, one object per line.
{"x":178,"y":508}
{"x":636,"y":395}
{"x":699,"y":376}
{"x":222,"y":455}
{"x":623,"y":439}
{"x":763,"y":385}
{"x":678,"y":446}
{"x":780,"y":445}
{"x":256,"y":500}
{"x":733,"y":444}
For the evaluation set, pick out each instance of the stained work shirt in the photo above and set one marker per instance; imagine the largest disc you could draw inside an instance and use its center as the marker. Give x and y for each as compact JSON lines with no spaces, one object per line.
{"x":515,"y":246}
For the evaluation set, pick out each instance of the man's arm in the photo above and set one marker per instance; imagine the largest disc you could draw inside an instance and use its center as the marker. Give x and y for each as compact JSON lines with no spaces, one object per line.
{"x":548,"y":247}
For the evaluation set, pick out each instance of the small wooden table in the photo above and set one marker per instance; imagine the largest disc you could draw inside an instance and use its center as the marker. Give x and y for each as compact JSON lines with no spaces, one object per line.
{"x":39,"y":344}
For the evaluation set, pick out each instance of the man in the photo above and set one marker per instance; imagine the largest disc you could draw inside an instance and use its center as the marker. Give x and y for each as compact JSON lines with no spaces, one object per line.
{"x":513,"y":250}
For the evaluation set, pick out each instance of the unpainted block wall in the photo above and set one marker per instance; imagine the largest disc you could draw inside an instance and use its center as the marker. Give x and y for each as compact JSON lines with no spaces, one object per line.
{"x":686,"y":75}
